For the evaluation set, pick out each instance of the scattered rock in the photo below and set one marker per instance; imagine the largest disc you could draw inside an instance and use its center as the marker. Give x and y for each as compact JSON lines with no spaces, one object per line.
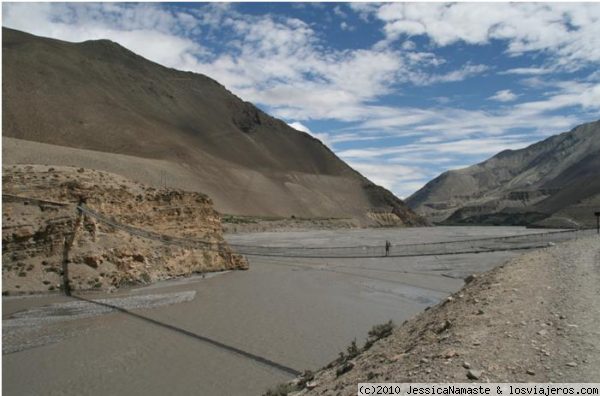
{"x":572,"y":364}
{"x":395,"y":358}
{"x":344,"y":368}
{"x":450,"y":353}
{"x":93,"y":261}
{"x":23,"y":232}
{"x":445,"y":325}
{"x":474,"y":374}
{"x":530,"y":372}
{"x":470,"y":278}
{"x":312,"y":385}
{"x":466,"y":365}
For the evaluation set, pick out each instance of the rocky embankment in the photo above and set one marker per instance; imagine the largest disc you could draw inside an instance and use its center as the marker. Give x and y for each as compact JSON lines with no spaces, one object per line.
{"x":247,"y":224}
{"x":534,"y":319}
{"x":38,"y":214}
{"x":385,"y":217}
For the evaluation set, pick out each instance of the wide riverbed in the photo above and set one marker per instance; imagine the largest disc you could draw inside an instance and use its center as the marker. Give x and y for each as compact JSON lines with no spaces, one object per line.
{"x":235,"y":333}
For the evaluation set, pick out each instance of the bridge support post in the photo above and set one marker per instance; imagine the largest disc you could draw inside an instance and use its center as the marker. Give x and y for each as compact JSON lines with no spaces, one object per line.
{"x":68,"y":244}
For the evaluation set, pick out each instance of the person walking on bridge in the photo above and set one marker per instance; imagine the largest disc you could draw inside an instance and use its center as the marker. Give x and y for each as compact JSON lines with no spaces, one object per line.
{"x":388,"y":245}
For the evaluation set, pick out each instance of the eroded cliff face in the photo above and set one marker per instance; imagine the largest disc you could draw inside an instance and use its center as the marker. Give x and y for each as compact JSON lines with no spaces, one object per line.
{"x":39,"y":213}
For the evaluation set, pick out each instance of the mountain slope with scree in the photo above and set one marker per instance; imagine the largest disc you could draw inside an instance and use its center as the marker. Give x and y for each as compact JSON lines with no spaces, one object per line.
{"x":552,"y":183}
{"x":98,"y":105}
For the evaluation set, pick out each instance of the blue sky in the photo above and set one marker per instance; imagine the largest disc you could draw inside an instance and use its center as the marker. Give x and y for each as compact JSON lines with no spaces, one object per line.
{"x":401,"y":91}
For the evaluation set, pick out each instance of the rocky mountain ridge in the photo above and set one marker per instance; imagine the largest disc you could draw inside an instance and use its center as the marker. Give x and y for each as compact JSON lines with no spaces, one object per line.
{"x":555,"y":182}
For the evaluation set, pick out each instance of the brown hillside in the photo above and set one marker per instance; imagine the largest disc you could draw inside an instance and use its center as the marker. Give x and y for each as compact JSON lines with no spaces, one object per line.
{"x":101,"y":97}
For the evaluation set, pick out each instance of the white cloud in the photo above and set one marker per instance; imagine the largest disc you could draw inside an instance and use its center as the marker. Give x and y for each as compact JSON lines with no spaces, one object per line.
{"x":300,"y":127}
{"x":505,"y":95}
{"x":461,"y":74}
{"x":337,"y":10}
{"x":275,"y":61}
{"x":400,"y":178}
{"x":346,"y":26}
{"x":531,"y":116}
{"x":584,"y":95}
{"x":528,"y":71}
{"x":146,"y":30}
{"x":403,"y":168}
{"x":460,"y":148}
{"x":570,"y":31}
{"x":323,"y":137}
{"x":364,"y":10}
{"x":409,"y":45}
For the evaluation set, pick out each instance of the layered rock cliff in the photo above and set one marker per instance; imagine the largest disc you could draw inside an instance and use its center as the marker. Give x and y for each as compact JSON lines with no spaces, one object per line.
{"x":39,"y":214}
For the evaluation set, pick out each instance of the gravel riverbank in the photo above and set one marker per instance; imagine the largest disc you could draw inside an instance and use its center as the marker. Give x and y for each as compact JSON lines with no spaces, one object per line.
{"x":534,"y":319}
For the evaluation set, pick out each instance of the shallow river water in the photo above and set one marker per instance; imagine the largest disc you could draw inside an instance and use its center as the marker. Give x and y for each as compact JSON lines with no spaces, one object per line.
{"x":236,"y":333}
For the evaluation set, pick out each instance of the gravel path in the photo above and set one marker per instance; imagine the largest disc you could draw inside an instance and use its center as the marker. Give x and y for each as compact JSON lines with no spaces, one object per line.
{"x":578,"y":297}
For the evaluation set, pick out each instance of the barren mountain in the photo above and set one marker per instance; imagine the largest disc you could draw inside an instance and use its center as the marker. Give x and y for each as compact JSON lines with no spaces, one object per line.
{"x":96,"y":104}
{"x":555,"y":182}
